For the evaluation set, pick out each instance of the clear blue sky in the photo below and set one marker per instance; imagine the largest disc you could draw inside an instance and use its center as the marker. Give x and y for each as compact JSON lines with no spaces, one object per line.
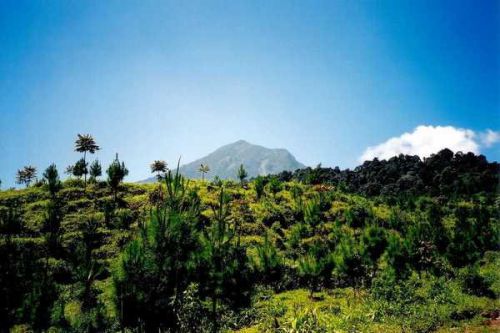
{"x":159,"y":79}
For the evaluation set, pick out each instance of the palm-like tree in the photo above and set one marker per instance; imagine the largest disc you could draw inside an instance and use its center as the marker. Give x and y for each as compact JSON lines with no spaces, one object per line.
{"x":26,"y":175}
{"x":203,"y":169}
{"x":160,"y":167}
{"x":85,"y":144}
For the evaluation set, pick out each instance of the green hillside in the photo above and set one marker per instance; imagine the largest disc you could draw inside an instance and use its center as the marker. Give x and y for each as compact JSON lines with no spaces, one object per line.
{"x":266,"y":255}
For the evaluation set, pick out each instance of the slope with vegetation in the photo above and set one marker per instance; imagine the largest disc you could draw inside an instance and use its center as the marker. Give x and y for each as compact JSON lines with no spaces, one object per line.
{"x":273,"y":254}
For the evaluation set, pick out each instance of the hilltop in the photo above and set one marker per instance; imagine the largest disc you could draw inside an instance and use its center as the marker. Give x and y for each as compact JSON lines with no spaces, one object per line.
{"x":257,"y":160}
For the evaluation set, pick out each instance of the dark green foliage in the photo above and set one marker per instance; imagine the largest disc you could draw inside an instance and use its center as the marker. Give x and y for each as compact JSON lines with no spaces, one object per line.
{"x":157,"y":266}
{"x":51,"y":227}
{"x":259,"y":184}
{"x":11,"y":222}
{"x":350,"y":265}
{"x":472,"y":282}
{"x":274,"y":185}
{"x":269,"y":264}
{"x":95,"y":171}
{"x":440,"y":174}
{"x":224,"y":267}
{"x":373,"y":243}
{"x":116,"y":173}
{"x":475,"y":231}
{"x":86,"y":270}
{"x":51,"y":176}
{"x":242,"y":174}
{"x":80,"y":168}
{"x":397,"y":255}
{"x":310,"y":269}
{"x":26,"y":175}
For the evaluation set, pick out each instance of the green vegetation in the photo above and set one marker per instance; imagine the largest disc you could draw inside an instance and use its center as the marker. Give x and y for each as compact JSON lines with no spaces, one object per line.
{"x":279,"y":254}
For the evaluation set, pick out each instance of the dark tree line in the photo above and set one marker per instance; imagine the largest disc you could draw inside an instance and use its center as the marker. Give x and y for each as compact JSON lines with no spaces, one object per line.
{"x":441,"y":174}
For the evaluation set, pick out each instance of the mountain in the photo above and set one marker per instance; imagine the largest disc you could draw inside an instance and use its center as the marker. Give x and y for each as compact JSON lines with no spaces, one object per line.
{"x":257,"y":160}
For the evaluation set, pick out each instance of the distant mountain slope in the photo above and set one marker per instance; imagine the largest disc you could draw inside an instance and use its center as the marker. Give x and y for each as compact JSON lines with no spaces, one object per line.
{"x":257,"y":160}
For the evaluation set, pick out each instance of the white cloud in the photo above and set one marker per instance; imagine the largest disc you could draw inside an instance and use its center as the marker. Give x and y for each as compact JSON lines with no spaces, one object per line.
{"x":427,"y":140}
{"x":489,"y":138}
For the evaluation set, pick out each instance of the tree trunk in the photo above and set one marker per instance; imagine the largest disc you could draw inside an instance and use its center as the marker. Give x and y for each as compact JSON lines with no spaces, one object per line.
{"x":214,"y":313}
{"x":85,"y":170}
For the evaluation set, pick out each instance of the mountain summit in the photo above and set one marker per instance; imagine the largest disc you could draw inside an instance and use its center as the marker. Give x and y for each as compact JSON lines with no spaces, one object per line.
{"x":257,"y":160}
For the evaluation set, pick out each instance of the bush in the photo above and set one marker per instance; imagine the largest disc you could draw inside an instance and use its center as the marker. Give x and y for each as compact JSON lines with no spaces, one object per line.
{"x":473,"y":283}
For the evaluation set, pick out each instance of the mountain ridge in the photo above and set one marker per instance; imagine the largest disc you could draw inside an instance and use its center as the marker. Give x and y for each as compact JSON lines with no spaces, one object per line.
{"x":256,"y":159}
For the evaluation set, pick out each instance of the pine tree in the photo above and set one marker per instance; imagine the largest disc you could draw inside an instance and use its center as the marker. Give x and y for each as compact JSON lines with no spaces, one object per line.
{"x":242,"y":174}
{"x":116,"y":173}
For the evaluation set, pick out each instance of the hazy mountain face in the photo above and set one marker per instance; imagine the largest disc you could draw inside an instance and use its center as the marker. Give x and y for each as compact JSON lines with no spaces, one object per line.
{"x":257,"y":160}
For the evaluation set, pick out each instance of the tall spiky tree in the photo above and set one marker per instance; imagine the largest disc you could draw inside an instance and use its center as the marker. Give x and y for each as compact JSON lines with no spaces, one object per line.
{"x":203,"y":169}
{"x":85,"y":144}
{"x":116,"y":172}
{"x":224,"y":264}
{"x":160,"y":168}
{"x":51,"y":176}
{"x":242,"y":174}
{"x":158,"y":265}
{"x":26,"y":175}
{"x":95,"y":171}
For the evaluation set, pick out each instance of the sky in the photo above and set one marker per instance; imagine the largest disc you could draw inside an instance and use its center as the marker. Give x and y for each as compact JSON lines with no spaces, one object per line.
{"x":334,"y":82}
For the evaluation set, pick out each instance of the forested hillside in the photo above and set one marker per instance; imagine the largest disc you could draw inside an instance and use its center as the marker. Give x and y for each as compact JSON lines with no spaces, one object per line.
{"x":393,"y":246}
{"x":441,"y":174}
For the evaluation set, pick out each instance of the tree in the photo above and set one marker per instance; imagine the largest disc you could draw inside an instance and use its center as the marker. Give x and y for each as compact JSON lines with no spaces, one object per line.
{"x":269,"y":263}
{"x":51,"y":176}
{"x":85,"y":144}
{"x":259,"y":184}
{"x":116,"y":173}
{"x":224,"y":264}
{"x":69,"y":170}
{"x":350,"y":267}
{"x":310,"y":268}
{"x":95,"y":171}
{"x":274,"y":186}
{"x":52,"y":221}
{"x":203,"y":169}
{"x":26,"y":175}
{"x":52,"y":225}
{"x":159,"y":264}
{"x":242,"y":174}
{"x":160,"y":167}
{"x":80,"y":168}
{"x":87,"y":269}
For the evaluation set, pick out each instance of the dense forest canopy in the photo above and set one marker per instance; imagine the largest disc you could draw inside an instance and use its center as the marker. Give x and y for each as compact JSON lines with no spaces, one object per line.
{"x":403,"y":245}
{"x":441,"y":174}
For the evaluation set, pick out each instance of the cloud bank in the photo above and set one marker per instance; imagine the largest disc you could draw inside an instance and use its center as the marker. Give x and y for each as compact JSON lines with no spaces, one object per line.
{"x":427,"y":140}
